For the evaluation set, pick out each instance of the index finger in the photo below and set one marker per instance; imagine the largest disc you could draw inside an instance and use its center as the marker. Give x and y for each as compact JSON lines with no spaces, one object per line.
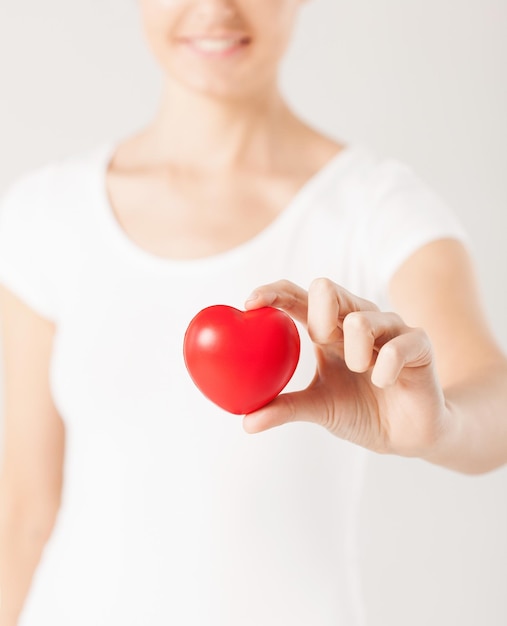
{"x":282,"y":294}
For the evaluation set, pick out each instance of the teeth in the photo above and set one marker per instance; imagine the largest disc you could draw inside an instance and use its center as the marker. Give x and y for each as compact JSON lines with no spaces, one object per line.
{"x":215,"y":45}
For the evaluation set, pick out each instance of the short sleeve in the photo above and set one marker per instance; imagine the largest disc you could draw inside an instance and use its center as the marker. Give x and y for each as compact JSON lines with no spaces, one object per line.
{"x":25,"y":248}
{"x":403,"y":214}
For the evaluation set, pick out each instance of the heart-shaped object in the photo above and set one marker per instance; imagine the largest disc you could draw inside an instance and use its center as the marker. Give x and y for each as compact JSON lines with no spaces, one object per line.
{"x":241,"y":360}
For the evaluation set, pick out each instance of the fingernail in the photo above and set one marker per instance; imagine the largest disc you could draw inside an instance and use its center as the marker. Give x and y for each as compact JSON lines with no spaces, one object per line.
{"x":253,"y":296}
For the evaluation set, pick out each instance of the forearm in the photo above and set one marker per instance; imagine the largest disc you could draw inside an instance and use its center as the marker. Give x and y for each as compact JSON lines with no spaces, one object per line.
{"x":474,"y":438}
{"x":21,"y":543}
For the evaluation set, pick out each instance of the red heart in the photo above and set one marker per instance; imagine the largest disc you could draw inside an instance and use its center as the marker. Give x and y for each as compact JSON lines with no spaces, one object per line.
{"x":241,"y":360}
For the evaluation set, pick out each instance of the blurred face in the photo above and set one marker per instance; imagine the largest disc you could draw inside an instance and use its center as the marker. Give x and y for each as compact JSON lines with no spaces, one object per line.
{"x":225,"y":48}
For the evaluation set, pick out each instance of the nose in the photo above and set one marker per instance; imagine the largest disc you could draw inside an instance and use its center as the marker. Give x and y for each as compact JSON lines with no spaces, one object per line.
{"x":208,"y":8}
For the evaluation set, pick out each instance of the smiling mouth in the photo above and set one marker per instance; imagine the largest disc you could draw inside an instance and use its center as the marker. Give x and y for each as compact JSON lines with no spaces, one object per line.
{"x":217,"y":46}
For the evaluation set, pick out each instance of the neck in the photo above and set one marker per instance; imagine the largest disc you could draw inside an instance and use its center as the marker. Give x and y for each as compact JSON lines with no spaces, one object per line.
{"x":198,"y":131}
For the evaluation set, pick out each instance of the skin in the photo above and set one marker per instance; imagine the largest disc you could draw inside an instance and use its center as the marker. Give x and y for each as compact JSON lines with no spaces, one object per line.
{"x":378,"y":382}
{"x":223,"y":155}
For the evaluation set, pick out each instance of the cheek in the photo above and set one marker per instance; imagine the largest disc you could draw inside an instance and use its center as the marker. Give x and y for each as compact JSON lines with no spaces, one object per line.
{"x":157,"y":23}
{"x":166,"y":4}
{"x":273,"y":23}
{"x":162,"y":4}
{"x":161,"y":12}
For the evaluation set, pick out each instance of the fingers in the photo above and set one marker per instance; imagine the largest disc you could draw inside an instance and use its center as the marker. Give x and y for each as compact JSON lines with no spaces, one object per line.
{"x":278,"y":412}
{"x":328,"y":305}
{"x":383,"y":341}
{"x":341,"y":323}
{"x":403,"y":353}
{"x":365,"y":332}
{"x":298,"y":406}
{"x":323,"y":307}
{"x":412,"y":349}
{"x":284,"y":295}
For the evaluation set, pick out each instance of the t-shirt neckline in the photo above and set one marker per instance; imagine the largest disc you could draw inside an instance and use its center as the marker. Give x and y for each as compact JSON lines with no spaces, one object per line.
{"x":126,"y":246}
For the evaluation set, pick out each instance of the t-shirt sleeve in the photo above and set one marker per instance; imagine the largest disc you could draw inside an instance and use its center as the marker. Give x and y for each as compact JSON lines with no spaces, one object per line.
{"x":25,"y":248}
{"x":403,"y":214}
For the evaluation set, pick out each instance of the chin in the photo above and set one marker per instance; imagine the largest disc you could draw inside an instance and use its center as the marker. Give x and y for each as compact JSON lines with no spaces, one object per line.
{"x":220,"y":89}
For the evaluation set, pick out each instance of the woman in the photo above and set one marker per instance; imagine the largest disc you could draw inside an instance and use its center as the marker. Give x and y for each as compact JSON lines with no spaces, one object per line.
{"x":127,"y":497}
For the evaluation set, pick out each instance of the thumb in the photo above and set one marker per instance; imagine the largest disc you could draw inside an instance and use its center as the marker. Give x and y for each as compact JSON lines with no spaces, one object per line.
{"x":297,"y":406}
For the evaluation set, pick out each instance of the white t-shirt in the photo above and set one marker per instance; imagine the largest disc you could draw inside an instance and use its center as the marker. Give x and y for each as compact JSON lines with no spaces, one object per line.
{"x":171,"y":513}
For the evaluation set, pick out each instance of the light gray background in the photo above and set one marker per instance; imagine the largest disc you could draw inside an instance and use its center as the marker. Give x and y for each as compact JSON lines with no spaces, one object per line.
{"x":421,"y":80}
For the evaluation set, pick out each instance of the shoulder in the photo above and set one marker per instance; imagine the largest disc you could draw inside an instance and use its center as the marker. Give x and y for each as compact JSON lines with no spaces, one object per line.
{"x":47,"y":208}
{"x":355,"y":180}
{"x":359,"y":167}
{"x":375,"y":171}
{"x":378,"y":173}
{"x":43,"y":219}
{"x":41,"y":191}
{"x":401,"y":212}
{"x":397,"y":197}
{"x":382,"y":192}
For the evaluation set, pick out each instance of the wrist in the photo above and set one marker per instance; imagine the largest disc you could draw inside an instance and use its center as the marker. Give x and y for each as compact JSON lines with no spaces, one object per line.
{"x":445,"y":448}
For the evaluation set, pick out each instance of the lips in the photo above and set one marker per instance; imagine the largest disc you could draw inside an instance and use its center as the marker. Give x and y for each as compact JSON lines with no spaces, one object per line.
{"x":217,"y":46}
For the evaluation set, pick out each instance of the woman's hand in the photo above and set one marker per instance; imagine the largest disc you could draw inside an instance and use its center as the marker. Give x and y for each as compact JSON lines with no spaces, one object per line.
{"x":376,"y":383}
